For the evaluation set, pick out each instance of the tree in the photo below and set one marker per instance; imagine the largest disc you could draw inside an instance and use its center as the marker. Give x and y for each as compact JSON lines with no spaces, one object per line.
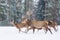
{"x":40,"y":10}
{"x":28,"y":8}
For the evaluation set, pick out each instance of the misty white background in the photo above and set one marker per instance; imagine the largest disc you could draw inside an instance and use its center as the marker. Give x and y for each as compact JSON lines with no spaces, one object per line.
{"x":11,"y":33}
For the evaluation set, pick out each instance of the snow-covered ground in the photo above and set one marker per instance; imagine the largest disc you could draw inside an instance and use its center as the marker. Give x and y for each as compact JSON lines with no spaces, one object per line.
{"x":11,"y":33}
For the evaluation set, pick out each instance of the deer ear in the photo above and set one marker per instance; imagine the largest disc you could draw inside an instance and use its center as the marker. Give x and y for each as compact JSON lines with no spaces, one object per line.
{"x":11,"y":21}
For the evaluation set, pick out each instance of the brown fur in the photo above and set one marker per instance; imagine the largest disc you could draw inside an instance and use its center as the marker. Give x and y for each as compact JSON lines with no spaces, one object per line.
{"x":53,"y":24}
{"x":35,"y":25}
{"x":39,"y":25}
{"x":20,"y":25}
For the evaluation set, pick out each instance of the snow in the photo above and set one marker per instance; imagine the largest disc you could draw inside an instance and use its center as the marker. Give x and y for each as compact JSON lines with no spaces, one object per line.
{"x":12,"y":33}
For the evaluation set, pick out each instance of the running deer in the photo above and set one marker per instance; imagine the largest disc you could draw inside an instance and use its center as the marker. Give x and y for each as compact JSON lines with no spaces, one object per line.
{"x":39,"y":25}
{"x":20,"y":25}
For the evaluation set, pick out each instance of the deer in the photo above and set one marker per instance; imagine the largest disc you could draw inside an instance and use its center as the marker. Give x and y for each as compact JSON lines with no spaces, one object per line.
{"x":34,"y":24}
{"x":20,"y":25}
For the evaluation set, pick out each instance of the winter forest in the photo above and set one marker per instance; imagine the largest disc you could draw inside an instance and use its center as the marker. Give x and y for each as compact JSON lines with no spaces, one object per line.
{"x":32,"y":9}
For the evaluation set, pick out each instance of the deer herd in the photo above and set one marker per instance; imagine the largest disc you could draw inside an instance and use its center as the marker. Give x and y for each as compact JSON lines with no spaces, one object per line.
{"x":34,"y":24}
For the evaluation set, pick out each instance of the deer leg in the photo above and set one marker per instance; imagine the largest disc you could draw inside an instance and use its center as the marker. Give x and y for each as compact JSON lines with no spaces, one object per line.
{"x":55,"y":29}
{"x":19,"y":30}
{"x":48,"y":29}
{"x":28,"y":29}
{"x":33,"y":29}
